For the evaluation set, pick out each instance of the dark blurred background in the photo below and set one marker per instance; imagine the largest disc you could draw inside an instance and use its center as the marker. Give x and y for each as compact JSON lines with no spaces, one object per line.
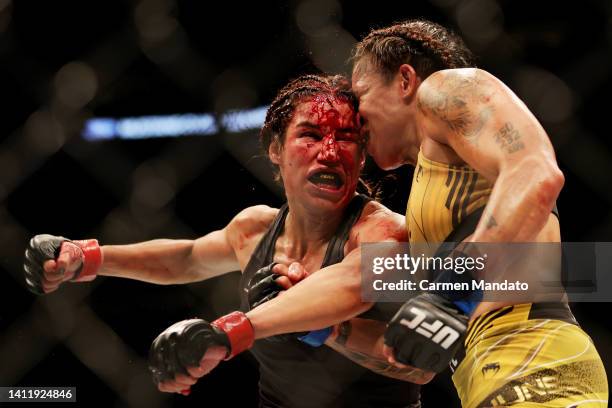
{"x":62,"y":63}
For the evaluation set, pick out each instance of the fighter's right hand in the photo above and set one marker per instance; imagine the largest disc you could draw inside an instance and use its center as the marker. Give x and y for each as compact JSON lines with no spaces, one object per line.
{"x":425,"y":333}
{"x":190,"y":349}
{"x":51,"y":261}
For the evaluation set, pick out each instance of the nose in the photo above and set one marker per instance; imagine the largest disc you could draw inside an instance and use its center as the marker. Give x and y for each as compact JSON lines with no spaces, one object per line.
{"x":329,"y":150}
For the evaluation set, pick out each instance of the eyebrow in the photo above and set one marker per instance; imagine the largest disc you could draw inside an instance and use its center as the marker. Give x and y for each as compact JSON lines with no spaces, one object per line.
{"x":308,"y":125}
{"x":311,"y":125}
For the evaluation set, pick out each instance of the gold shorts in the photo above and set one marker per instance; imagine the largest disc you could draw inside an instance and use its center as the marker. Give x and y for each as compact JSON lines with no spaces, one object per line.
{"x":516,"y":357}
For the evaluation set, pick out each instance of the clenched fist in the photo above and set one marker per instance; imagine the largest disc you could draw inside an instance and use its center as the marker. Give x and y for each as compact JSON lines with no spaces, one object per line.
{"x":51,"y":260}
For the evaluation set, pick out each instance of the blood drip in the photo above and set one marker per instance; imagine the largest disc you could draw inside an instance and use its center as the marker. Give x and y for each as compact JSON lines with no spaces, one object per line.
{"x":329,"y":121}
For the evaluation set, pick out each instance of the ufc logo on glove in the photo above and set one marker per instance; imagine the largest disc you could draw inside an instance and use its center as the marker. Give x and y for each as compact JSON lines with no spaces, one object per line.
{"x":445,"y":336}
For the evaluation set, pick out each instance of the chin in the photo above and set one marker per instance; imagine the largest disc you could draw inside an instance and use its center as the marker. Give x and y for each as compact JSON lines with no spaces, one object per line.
{"x":325,"y":199}
{"x":385,"y":163}
{"x":380,"y":160}
{"x":384,"y":157}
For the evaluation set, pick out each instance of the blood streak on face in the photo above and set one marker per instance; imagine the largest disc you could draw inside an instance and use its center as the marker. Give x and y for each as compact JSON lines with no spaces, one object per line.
{"x":329,"y":150}
{"x":329,"y":121}
{"x":322,"y":155}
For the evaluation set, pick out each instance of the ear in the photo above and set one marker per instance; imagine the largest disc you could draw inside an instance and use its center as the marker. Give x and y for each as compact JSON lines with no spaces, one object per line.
{"x":408,"y":81}
{"x":274,"y":151}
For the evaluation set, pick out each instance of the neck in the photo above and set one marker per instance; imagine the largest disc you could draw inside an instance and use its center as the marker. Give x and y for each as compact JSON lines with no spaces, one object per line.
{"x":412,"y":137}
{"x":307,"y":231}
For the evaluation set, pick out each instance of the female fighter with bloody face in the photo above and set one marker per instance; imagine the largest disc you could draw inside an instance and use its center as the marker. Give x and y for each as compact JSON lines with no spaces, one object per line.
{"x":312,"y":136}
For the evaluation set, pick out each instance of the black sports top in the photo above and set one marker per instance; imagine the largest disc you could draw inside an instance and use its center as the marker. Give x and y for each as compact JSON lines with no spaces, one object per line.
{"x":294,"y":374}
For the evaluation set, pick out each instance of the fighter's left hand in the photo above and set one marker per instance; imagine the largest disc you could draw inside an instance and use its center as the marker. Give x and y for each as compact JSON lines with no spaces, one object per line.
{"x":290,"y":275}
{"x":271,"y":280}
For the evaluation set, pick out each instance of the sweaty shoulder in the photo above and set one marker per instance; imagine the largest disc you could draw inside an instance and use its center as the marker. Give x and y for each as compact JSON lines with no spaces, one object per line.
{"x":378,"y":224}
{"x":455,"y":80}
{"x":249,"y":224}
{"x":457,"y":101}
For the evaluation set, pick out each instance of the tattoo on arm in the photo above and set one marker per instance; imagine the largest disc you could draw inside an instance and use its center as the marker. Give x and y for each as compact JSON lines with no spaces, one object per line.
{"x":376,"y":364}
{"x":491,"y":222}
{"x":460,"y":102}
{"x":382,"y":367}
{"x":509,"y":139}
{"x":450,"y":109}
{"x":483,"y":117}
{"x":344,"y":332}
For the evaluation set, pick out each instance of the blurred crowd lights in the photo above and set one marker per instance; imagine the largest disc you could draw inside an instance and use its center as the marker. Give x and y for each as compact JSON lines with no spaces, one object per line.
{"x":187,"y":124}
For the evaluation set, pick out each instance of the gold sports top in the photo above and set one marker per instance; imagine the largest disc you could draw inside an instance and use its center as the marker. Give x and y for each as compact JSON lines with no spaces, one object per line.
{"x":441,"y":196}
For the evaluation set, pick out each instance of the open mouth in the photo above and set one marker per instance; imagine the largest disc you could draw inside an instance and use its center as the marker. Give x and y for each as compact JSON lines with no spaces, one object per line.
{"x":326,"y":180}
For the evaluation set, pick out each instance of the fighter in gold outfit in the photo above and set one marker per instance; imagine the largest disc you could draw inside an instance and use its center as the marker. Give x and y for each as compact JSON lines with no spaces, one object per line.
{"x":532,"y":354}
{"x":477,"y":150}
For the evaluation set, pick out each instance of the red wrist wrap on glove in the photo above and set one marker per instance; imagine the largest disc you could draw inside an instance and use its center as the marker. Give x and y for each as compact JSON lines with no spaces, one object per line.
{"x":92,"y":259}
{"x":239,"y":331}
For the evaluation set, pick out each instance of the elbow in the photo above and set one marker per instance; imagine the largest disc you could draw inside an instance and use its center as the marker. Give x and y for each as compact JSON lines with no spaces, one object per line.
{"x":549,"y":188}
{"x":536,"y":181}
{"x":557,"y":181}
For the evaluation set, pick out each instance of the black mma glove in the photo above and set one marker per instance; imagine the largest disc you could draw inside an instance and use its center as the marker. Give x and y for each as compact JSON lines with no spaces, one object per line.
{"x":426,"y":332}
{"x":46,"y":247}
{"x":262,"y":286}
{"x":184,"y":344}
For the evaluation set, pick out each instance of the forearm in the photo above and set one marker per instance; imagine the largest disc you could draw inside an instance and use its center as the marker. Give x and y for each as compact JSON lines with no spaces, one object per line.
{"x":161,"y":261}
{"x":520,"y":205}
{"x":324,"y":299}
{"x":361,"y":340}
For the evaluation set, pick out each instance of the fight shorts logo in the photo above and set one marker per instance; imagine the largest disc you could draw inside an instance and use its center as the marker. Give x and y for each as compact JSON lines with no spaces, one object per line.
{"x":491,"y":367}
{"x":445,"y":336}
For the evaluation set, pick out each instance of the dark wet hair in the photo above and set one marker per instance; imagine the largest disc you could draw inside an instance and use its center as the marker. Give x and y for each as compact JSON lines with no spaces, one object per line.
{"x":425,"y":45}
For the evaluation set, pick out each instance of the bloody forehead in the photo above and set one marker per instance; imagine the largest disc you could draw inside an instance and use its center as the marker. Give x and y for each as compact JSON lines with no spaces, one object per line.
{"x":323,"y":108}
